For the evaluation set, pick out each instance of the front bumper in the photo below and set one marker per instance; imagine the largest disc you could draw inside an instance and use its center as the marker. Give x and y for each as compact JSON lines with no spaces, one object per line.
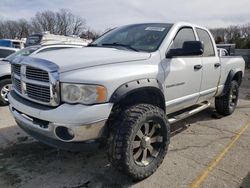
{"x":65,"y":123}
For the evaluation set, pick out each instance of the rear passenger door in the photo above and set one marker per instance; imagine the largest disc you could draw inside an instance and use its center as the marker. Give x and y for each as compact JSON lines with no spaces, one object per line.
{"x":182,"y":84}
{"x":211,"y":66}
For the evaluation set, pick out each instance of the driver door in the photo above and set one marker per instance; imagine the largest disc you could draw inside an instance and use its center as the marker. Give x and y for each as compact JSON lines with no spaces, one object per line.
{"x":182,"y":75}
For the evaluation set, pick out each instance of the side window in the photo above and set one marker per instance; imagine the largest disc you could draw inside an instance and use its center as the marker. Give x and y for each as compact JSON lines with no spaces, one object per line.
{"x":52,"y":49}
{"x":185,"y":34}
{"x":5,"y":53}
{"x":208,"y":45}
{"x":16,"y":45}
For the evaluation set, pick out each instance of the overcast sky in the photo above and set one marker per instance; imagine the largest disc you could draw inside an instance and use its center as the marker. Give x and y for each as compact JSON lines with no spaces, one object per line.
{"x":102,"y":14}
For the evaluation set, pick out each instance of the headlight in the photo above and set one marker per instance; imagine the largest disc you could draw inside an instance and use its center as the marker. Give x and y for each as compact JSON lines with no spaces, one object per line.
{"x":80,"y":93}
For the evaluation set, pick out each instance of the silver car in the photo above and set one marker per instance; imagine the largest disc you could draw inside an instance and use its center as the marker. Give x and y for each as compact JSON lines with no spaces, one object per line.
{"x":6,"y":51}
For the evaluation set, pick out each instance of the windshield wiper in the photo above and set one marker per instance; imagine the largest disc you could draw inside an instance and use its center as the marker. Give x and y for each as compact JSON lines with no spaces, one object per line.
{"x":118,"y":44}
{"x":5,"y":60}
{"x":92,"y":45}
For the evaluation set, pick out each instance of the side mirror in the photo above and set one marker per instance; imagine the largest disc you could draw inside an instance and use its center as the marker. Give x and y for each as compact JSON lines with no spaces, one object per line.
{"x":190,"y":48}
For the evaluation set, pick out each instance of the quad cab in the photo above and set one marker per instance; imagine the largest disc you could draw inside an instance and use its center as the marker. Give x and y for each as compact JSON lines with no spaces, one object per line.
{"x":126,"y":87}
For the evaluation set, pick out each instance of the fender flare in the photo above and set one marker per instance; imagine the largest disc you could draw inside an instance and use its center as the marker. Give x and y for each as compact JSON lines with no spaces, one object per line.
{"x":6,"y":76}
{"x":136,"y":85}
{"x":228,"y":81}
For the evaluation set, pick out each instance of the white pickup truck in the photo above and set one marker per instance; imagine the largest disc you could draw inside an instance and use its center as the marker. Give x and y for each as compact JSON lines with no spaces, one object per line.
{"x":127,"y":87}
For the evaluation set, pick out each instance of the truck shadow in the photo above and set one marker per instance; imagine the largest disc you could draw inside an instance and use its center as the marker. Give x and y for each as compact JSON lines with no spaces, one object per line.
{"x":25,"y":162}
{"x":205,"y":115}
{"x":246,"y":182}
{"x":28,"y":163}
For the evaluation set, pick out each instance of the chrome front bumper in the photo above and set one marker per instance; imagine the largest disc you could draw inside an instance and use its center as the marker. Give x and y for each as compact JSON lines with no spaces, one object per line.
{"x":64,"y":123}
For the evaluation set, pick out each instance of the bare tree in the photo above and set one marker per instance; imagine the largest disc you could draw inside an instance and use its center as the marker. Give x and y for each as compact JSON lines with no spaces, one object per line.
{"x":240,"y":35}
{"x":68,"y":23}
{"x":90,"y":34}
{"x":62,"y":22}
{"x":246,"y":31}
{"x":78,"y":25}
{"x":23,"y":29}
{"x":44,"y":21}
{"x":10,"y":29}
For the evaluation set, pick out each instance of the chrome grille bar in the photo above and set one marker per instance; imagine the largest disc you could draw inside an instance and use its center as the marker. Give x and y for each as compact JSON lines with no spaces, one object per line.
{"x":37,"y":74}
{"x":36,"y":84}
{"x":17,"y":85}
{"x":16,"y":69}
{"x":40,"y":93}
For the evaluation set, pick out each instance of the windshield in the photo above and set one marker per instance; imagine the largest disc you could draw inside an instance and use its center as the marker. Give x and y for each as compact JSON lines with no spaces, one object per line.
{"x":24,"y":52}
{"x":139,"y":37}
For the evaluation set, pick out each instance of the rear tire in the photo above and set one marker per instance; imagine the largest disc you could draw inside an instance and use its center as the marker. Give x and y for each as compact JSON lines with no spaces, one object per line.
{"x":226,"y":104}
{"x":5,"y":86}
{"x":139,"y":140}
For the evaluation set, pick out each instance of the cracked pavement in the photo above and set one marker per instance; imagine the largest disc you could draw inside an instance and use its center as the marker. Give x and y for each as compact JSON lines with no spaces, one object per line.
{"x":195,"y":142}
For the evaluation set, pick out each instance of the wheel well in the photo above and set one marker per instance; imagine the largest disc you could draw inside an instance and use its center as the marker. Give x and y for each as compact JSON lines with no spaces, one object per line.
{"x":238,"y":77}
{"x":5,"y":77}
{"x":145,"y":95}
{"x":149,"y":95}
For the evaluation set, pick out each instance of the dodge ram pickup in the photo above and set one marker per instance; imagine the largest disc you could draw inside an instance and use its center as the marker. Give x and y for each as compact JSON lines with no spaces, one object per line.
{"x":126,"y":87}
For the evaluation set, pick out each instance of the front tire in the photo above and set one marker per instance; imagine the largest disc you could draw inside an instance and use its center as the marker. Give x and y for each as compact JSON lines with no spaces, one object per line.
{"x":139,"y":140}
{"x":5,"y":86}
{"x":226,"y":104}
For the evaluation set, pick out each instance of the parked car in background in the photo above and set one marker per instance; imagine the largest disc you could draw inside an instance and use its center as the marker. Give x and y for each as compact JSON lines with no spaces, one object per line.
{"x":47,"y":38}
{"x":127,"y":87}
{"x":11,"y":43}
{"x":6,"y":51}
{"x":222,"y":52}
{"x":5,"y":72}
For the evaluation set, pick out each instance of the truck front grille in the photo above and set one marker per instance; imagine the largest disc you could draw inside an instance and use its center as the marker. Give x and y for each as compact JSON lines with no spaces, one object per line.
{"x":34,"y":84}
{"x":17,"y":84}
{"x":40,"y":93}
{"x":16,"y":69}
{"x":37,"y":74}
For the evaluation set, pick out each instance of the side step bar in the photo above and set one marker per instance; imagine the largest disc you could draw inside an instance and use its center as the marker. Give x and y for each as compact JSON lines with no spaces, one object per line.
{"x":191,"y":112}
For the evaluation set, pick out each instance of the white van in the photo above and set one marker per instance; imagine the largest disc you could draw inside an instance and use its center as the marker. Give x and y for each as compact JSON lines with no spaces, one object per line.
{"x":47,"y":39}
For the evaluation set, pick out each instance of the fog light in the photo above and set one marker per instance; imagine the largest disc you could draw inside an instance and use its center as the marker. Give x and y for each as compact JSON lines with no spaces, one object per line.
{"x":64,"y":133}
{"x":71,"y":132}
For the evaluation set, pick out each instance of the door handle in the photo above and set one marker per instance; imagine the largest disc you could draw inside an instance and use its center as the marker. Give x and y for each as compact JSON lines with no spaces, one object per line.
{"x":197,"y":67}
{"x":216,"y":65}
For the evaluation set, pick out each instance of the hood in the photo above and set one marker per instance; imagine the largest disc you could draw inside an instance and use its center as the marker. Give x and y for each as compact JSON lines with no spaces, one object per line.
{"x":77,"y":58}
